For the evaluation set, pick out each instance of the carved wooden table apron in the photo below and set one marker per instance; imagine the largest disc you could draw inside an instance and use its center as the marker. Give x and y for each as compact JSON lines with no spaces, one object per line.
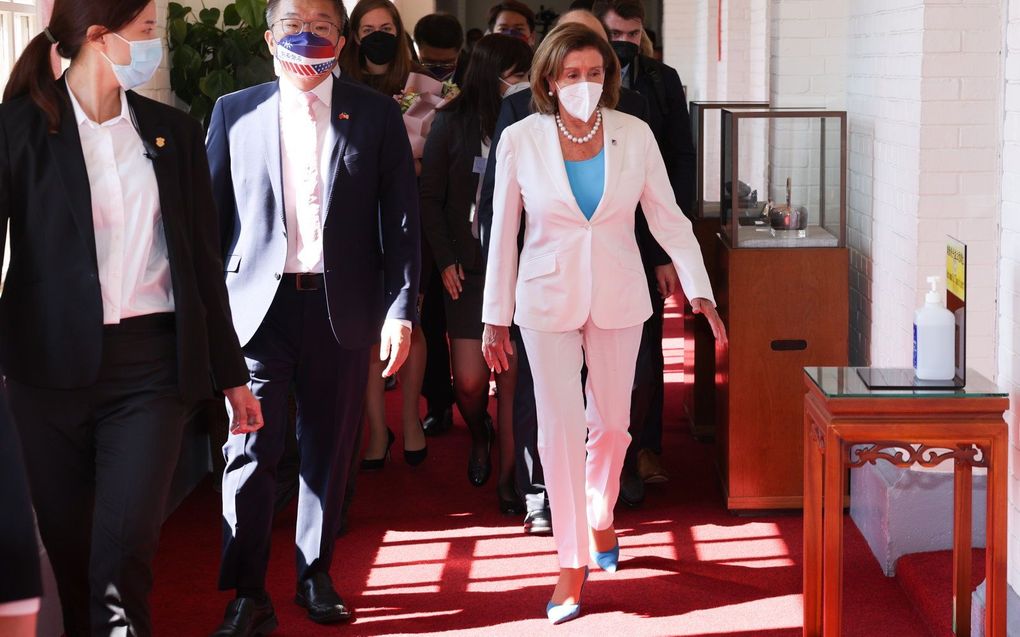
{"x":923,"y":429}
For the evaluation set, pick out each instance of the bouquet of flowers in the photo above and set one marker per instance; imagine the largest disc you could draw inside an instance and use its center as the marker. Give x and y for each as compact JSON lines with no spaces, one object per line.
{"x":421,"y":98}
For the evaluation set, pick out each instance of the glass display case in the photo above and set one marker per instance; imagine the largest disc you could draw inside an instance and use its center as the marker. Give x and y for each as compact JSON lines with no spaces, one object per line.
{"x":783,"y":178}
{"x":706,"y":131}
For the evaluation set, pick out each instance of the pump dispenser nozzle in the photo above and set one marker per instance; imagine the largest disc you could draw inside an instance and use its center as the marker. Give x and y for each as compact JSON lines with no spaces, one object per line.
{"x":933,"y":294}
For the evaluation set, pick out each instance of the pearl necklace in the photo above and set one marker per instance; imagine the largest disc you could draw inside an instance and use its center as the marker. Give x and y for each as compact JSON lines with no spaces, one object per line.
{"x":580,"y":140}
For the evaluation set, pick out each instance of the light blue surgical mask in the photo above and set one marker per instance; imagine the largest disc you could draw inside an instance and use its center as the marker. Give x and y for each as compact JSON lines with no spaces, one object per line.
{"x":145,"y":58}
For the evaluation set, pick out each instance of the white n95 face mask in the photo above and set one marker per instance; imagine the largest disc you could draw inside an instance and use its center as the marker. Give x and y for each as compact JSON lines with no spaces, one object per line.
{"x":580,"y":99}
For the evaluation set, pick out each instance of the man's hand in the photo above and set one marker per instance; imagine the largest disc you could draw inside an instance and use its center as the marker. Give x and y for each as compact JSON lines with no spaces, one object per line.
{"x":496,"y":347}
{"x":704,"y":306}
{"x":666,"y":280}
{"x":452,"y":276}
{"x":245,"y":410}
{"x":394,"y":346}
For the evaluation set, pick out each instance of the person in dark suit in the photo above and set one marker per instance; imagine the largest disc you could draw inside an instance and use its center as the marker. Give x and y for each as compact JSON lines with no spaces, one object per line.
{"x":455,"y":155}
{"x":530,"y":477}
{"x":114,"y":317}
{"x":20,"y":584}
{"x":670,"y":122}
{"x":318,"y":205}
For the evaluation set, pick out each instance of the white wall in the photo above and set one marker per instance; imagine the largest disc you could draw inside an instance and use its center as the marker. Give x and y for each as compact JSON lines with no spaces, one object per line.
{"x":1009,"y":275}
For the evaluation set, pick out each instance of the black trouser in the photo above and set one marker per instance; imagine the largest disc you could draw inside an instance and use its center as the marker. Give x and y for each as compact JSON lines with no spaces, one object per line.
{"x":647,"y":397}
{"x":100,"y":461}
{"x":530,"y":478}
{"x":293,"y":348}
{"x":437,"y":387}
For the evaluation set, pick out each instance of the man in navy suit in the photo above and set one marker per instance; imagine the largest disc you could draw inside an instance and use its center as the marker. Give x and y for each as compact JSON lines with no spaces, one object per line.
{"x":317,"y":197}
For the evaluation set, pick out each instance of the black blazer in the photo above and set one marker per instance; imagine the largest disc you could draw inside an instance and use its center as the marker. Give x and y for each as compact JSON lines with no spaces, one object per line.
{"x":447,"y":188}
{"x":19,"y":552}
{"x":517,"y":107}
{"x":51,"y":309}
{"x":670,"y":122}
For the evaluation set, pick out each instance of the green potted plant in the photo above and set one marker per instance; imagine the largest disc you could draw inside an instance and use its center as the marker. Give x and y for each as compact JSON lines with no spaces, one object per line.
{"x":214,"y":53}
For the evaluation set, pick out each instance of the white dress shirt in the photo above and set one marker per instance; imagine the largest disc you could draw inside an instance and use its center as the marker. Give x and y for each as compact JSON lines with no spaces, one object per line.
{"x":134,"y":268}
{"x":297,"y":147}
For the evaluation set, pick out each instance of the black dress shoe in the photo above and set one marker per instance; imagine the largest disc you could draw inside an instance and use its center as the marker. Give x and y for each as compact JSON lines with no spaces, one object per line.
{"x":247,"y":617}
{"x":417,"y":456}
{"x":479,"y":471}
{"x":437,"y":424}
{"x":632,"y":488}
{"x":538,"y":522}
{"x":317,"y":595}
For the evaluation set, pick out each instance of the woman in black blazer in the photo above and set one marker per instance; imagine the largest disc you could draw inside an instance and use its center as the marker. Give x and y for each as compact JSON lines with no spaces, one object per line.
{"x":453,"y":163}
{"x":114,"y":317}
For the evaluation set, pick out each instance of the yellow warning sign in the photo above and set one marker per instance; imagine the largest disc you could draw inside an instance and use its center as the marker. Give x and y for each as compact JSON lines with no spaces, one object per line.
{"x":956,"y":268}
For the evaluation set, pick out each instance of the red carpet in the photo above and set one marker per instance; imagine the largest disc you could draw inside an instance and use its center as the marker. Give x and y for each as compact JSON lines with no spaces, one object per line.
{"x":429,"y":554}
{"x":927,"y":580}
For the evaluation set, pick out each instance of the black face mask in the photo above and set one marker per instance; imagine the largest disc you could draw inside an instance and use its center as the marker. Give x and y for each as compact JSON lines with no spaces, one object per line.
{"x":379,"y":47}
{"x":626,"y":51}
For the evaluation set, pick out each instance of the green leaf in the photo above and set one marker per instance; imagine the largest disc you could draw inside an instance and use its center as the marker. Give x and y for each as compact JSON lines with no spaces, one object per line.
{"x":217,"y":83}
{"x":177,"y":31}
{"x":187,"y":59}
{"x":231,"y":17}
{"x":176,"y":10}
{"x":256,"y":71}
{"x":209,"y":16}
{"x":233,"y":51}
{"x":201,"y":108}
{"x":253,"y":12}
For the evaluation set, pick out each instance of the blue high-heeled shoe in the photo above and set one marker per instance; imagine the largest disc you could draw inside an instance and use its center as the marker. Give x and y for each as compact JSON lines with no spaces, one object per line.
{"x":559,"y":613}
{"x":608,"y":560}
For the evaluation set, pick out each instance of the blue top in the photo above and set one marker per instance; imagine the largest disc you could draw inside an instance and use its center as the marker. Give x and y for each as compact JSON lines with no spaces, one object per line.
{"x":587,"y":180}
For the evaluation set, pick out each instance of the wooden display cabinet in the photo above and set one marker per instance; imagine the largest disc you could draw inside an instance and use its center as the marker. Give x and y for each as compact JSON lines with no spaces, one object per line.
{"x":784,"y":309}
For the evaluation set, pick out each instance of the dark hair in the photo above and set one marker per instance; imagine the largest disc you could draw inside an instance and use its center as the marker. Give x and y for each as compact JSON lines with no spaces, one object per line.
{"x":626,"y":9}
{"x":340,"y":9}
{"x":493,"y":55}
{"x":352,"y":60}
{"x":549,"y":58}
{"x":69,"y":24}
{"x":439,"y":30}
{"x":514,"y":6}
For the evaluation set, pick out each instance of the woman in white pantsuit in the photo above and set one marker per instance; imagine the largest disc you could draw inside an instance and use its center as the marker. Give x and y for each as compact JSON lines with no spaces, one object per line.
{"x":580,"y":169}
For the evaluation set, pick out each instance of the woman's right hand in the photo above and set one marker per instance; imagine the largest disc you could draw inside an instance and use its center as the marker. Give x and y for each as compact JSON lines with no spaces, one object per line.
{"x":496,"y":347}
{"x":452,"y":276}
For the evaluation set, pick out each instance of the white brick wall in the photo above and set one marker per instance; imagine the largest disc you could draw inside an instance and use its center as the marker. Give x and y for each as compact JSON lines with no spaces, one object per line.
{"x":1009,"y":274}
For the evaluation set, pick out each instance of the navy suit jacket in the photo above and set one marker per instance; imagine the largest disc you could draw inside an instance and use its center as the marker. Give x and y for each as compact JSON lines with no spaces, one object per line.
{"x":371,"y":234}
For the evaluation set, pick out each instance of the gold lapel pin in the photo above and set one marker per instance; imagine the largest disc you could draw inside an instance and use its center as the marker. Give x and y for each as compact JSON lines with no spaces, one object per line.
{"x":160,"y":142}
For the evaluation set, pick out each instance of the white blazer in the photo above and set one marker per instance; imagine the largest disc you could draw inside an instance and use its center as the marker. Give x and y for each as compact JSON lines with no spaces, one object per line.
{"x":571,"y":268}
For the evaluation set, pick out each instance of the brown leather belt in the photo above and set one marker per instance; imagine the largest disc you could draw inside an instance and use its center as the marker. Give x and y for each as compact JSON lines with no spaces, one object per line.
{"x":305,"y":282}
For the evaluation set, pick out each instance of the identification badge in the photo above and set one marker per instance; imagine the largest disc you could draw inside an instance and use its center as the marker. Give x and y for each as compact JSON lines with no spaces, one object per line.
{"x":479,"y":166}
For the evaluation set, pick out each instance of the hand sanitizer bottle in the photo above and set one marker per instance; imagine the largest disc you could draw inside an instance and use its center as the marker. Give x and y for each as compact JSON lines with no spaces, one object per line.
{"x":934,"y":338}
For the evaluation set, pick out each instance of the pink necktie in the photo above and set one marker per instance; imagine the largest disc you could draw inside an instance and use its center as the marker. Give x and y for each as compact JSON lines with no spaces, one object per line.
{"x":308,"y":204}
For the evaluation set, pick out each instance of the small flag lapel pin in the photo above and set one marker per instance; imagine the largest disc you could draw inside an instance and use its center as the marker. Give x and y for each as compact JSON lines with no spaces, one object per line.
{"x":160,"y":142}
{"x":343,"y":116}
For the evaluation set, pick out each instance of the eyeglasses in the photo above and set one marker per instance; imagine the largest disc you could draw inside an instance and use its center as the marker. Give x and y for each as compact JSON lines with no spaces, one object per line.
{"x":321,"y":28}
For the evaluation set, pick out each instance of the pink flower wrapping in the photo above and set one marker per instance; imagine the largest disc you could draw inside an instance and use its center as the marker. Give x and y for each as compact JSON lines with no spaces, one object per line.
{"x":421,"y":98}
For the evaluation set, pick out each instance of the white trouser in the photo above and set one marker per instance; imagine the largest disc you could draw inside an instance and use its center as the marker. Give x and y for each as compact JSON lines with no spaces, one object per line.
{"x":582,"y":492}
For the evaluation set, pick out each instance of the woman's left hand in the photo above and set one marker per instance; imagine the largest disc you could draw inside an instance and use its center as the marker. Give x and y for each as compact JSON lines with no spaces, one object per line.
{"x":247,"y":411}
{"x":496,"y":347}
{"x":704,"y":306}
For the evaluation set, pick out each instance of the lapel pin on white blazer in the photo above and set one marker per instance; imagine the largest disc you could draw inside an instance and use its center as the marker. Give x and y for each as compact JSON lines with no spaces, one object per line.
{"x":613,"y":142}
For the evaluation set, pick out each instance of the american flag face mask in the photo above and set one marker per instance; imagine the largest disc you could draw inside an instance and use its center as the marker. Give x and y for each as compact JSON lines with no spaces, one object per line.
{"x":306,"y":54}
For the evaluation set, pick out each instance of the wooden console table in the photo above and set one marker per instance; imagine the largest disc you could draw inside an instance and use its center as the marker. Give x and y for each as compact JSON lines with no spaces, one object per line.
{"x":848,"y":425}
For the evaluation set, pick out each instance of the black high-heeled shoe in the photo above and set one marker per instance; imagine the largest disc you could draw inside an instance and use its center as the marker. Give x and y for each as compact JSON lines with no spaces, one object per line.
{"x":375,"y":464}
{"x":479,"y":471}
{"x":511,"y":505}
{"x":416,"y":457}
